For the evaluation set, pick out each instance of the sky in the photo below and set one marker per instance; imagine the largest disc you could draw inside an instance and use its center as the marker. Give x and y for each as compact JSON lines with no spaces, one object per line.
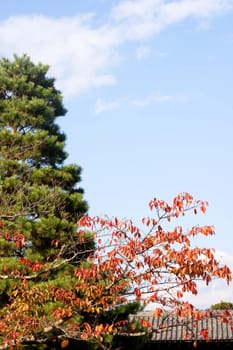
{"x":148,"y":85}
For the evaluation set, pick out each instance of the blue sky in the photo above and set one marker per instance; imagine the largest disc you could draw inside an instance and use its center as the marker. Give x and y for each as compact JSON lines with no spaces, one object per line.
{"x":148,"y":86}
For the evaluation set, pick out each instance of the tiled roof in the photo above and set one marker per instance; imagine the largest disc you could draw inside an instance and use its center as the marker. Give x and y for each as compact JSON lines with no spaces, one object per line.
{"x":170,"y":327}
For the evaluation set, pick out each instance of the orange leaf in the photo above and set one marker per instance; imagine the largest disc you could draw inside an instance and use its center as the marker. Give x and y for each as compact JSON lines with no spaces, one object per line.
{"x":64,"y":343}
{"x":179,"y":294}
{"x":158,"y":312}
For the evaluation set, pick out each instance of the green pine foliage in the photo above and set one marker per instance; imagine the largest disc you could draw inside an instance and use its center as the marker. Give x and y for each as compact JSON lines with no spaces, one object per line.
{"x":40,"y":204}
{"x":39,"y":197}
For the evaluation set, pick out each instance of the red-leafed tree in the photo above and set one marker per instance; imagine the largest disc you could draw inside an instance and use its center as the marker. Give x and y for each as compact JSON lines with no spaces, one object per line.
{"x":150,"y":263}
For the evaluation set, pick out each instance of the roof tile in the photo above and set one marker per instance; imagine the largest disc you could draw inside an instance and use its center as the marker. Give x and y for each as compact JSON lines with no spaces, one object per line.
{"x":170,"y":327}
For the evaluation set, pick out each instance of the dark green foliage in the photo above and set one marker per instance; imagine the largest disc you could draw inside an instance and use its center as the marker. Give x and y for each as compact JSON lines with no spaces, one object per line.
{"x":38,"y":193}
{"x":121,"y":312}
{"x":223,"y":305}
{"x":40,"y":204}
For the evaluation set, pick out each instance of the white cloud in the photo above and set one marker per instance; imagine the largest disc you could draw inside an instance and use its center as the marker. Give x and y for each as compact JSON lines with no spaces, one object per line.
{"x":217,"y":290}
{"x":82,"y":53}
{"x":161,"y":54}
{"x":143,"y":18}
{"x":126,"y":10}
{"x":143,"y":52}
{"x":224,"y":258}
{"x":104,"y":106}
{"x":203,"y":25}
{"x":152,"y":98}
{"x":214,"y":293}
{"x":79,"y":55}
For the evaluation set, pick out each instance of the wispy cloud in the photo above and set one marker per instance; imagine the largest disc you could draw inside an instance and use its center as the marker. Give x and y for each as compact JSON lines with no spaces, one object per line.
{"x":102,"y":106}
{"x":142,"y":19}
{"x":82,"y":54}
{"x":143,"y":52}
{"x":106,"y":106}
{"x":160,"y":54}
{"x":152,"y":98}
{"x":203,"y":25}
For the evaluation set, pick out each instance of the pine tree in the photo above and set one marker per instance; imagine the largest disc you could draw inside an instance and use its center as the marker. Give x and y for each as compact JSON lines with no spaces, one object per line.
{"x":39,"y":197}
{"x":40,"y":204}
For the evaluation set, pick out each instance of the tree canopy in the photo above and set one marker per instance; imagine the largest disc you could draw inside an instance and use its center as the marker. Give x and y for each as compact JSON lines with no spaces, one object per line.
{"x":130,"y":264}
{"x":39,"y":196}
{"x":40,"y":202}
{"x":65,"y":275}
{"x":222,"y":305}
